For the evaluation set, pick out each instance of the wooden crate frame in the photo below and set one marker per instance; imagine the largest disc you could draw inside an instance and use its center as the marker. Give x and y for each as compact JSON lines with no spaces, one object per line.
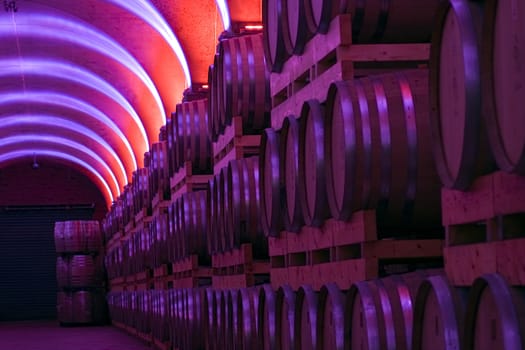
{"x":188,"y":273}
{"x":184,"y":181}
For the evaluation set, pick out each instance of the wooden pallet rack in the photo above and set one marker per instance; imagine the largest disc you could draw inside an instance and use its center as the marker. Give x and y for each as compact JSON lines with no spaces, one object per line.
{"x":184,"y":180}
{"x":238,"y":268}
{"x":189,"y":273}
{"x":234,"y":144}
{"x":346,"y":252}
{"x":485,"y":229}
{"x":332,"y":57}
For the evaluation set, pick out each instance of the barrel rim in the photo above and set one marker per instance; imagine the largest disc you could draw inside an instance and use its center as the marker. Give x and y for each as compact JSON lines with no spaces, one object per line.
{"x":464,"y":178}
{"x":362,"y":289}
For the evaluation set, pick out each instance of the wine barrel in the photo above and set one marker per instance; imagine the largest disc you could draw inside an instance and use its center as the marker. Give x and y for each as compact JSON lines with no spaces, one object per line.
{"x":226,"y":236}
{"x":378,"y":150}
{"x":244,"y":205}
{"x":244,"y":83}
{"x":64,"y":307}
{"x":275,"y":52}
{"x":461,"y":148}
{"x":82,"y":307}
{"x":196,"y":318}
{"x":312,"y":183}
{"x":246,"y":317}
{"x":296,"y":31}
{"x":305,"y":331}
{"x":503,"y":52}
{"x":268,"y":336}
{"x":285,"y":309}
{"x":74,"y":240}
{"x":237,"y":319}
{"x":289,"y":151}
{"x":84,"y":272}
{"x":211,"y":237}
{"x":438,"y":315}
{"x":210,"y":305}
{"x":63,"y":272}
{"x":93,"y":236}
{"x":193,"y":141}
{"x":195,"y":224}
{"x":212,"y":100}
{"x":271,"y":188}
{"x":59,"y":236}
{"x":495,"y":315}
{"x":330,"y":318}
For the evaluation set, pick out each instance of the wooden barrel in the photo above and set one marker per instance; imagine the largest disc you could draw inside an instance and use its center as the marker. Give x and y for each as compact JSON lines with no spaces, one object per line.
{"x":63,"y":272}
{"x":64,"y":307}
{"x":195,"y":224}
{"x":285,"y":309}
{"x":237,"y":319}
{"x":495,"y":315}
{"x":330,"y":318}
{"x":93,"y":236}
{"x":271,"y":188}
{"x":268,"y":336}
{"x":389,"y":21}
{"x":305,"y":331}
{"x":438,"y":315}
{"x":378,"y":150}
{"x":212,"y":214}
{"x":212,"y":100}
{"x":244,"y":205}
{"x":461,"y":149}
{"x":59,"y":236}
{"x":319,"y":13}
{"x":193,"y":141}
{"x":296,"y":31}
{"x":274,"y":50}
{"x":74,"y":241}
{"x":289,"y":151}
{"x":210,"y":306}
{"x":226,"y":220}
{"x":312,"y":184}
{"x":502,"y":76}
{"x":196,"y":318}
{"x":82,"y":307}
{"x":246,"y":317}
{"x":244,"y":83}
{"x":84,"y":272}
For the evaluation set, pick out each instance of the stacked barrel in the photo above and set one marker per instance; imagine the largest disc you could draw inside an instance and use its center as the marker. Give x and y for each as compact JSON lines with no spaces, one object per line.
{"x":79,"y":272}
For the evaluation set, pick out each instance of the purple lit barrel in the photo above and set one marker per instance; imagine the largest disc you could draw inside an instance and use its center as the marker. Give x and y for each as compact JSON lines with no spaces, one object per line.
{"x":210,"y":322}
{"x":306,"y":310}
{"x":246,"y":318}
{"x":438,"y":315}
{"x":461,"y":148}
{"x":378,"y":150}
{"x":268,"y":335}
{"x":196,"y":318}
{"x":289,"y":152}
{"x":330,"y":318}
{"x":495,"y":315}
{"x":191,"y":222}
{"x":244,"y":205}
{"x":502,"y":76}
{"x":286,"y":317}
{"x":93,"y":236}
{"x":64,"y":307}
{"x":59,"y":236}
{"x":226,"y":240}
{"x":82,"y":307}
{"x":193,"y":142}
{"x":312,"y":180}
{"x":274,"y":49}
{"x":212,"y":214}
{"x":63,"y":272}
{"x":271,"y":189}
{"x":74,"y":240}
{"x":243,"y":82}
{"x":84,"y":271}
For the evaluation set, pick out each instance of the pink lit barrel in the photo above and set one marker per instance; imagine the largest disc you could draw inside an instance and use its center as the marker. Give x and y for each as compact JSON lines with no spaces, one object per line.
{"x":458,"y":133}
{"x":59,"y":236}
{"x":268,"y":320}
{"x":271,"y":188}
{"x":495,"y":315}
{"x":379,"y":151}
{"x":212,"y":214}
{"x":93,"y":236}
{"x":306,"y":311}
{"x":312,"y":179}
{"x":330,"y":318}
{"x":274,"y":49}
{"x":246,"y":316}
{"x":438,"y":315}
{"x":286,"y":317}
{"x":502,"y":76}
{"x":74,"y":241}
{"x":82,"y":307}
{"x":84,"y":272}
{"x":244,"y":82}
{"x":64,"y":307}
{"x":63,"y":272}
{"x":289,"y":157}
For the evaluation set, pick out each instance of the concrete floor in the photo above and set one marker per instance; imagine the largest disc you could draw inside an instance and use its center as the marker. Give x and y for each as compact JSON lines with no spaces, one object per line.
{"x":48,"y":335}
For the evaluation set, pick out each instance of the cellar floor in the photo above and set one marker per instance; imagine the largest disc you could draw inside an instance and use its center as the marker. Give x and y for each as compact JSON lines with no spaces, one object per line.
{"x":48,"y":335}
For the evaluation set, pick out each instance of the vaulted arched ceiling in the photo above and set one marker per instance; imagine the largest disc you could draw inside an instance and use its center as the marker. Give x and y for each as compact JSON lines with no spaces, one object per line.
{"x":89,"y":83}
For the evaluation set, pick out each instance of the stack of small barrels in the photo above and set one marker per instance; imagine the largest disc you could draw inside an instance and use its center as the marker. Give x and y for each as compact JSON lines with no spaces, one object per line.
{"x":79,"y":272}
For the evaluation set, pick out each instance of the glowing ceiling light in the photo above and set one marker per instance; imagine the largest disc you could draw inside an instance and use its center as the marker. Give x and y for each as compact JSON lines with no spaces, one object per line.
{"x":62,"y":123}
{"x":13,"y":155}
{"x":39,"y":25}
{"x":149,"y":14}
{"x":74,"y":104}
{"x":66,"y":71}
{"x":30,"y":139}
{"x":225,"y":13}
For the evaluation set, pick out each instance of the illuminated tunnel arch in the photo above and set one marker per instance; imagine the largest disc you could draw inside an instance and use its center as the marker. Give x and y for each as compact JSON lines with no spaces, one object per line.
{"x":54,"y":143}
{"x":20,"y":124}
{"x":10,"y":156}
